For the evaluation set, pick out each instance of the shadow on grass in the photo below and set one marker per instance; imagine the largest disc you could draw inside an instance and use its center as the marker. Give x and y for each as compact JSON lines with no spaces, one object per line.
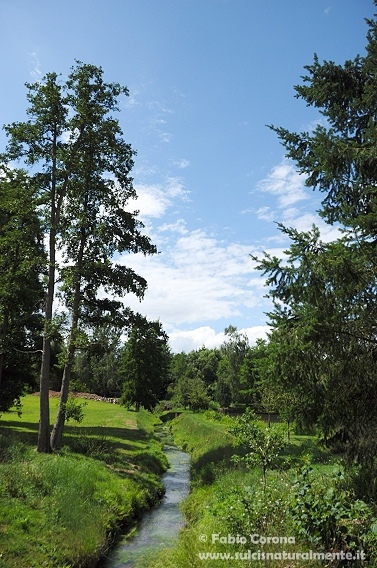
{"x":296,"y":452}
{"x":120,"y":447}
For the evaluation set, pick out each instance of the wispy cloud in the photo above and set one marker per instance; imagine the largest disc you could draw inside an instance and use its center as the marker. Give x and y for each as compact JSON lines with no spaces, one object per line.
{"x":183,"y":163}
{"x":154,"y":199}
{"x":178,"y":227}
{"x":36,"y":72}
{"x":286,"y":183}
{"x":132,"y":100}
{"x":295,"y":205}
{"x":197,"y":278}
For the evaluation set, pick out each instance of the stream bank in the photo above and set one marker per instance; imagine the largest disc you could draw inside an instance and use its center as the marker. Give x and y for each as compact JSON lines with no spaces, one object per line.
{"x":161,"y":525}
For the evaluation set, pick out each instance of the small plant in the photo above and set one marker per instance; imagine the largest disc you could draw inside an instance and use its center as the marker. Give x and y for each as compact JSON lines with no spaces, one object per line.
{"x":250,"y":509}
{"x":73,"y":410}
{"x":263,"y":444}
{"x":328,"y":514}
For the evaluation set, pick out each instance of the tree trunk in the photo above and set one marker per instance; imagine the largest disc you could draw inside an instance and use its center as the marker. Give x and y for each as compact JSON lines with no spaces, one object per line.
{"x":1,"y":366}
{"x":44,"y":403}
{"x":4,"y":332}
{"x":57,"y":431}
{"x":44,"y":386}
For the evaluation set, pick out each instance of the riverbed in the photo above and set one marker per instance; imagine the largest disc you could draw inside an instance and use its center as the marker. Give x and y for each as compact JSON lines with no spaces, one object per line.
{"x":159,"y":526}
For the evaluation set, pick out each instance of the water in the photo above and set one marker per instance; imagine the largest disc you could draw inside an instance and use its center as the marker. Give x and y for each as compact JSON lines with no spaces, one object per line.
{"x":161,"y":525}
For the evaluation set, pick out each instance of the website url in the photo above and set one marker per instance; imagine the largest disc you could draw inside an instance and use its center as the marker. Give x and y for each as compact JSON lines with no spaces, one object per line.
{"x":283,"y":555}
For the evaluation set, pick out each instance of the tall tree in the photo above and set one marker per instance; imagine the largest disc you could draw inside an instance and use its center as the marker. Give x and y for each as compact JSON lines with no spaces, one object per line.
{"x":80,"y":166}
{"x":233,"y":351}
{"x":145,"y":366}
{"x":325,"y":334}
{"x":323,"y":346}
{"x":21,"y":293}
{"x":39,"y":144}
{"x":95,"y":220}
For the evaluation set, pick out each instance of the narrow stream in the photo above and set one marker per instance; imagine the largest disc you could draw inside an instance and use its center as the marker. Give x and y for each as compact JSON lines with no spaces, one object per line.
{"x":161,"y":525}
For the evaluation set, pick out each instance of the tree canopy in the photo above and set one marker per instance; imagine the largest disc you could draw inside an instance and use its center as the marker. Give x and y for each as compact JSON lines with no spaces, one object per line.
{"x":144,"y":366}
{"x":323,"y":346}
{"x":79,"y":167}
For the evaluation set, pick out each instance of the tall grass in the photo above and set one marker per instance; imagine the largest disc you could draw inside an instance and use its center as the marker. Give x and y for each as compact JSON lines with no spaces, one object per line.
{"x":62,"y":510}
{"x":233,"y":502}
{"x":209,"y":443}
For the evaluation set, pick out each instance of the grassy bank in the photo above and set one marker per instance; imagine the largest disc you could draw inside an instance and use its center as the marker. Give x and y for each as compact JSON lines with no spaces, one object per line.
{"x":307,"y":505}
{"x":62,"y":510}
{"x":206,"y":437}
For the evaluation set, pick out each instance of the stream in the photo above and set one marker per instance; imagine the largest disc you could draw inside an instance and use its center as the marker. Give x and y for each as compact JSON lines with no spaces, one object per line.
{"x":160,"y":525}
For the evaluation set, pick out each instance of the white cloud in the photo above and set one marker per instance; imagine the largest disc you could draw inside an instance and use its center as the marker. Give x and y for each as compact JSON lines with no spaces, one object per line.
{"x":131,"y":101}
{"x":164,"y":136}
{"x":288,"y":186}
{"x":194,"y":339}
{"x":285,"y":182}
{"x":178,"y":227}
{"x":197,"y":278}
{"x":182,"y":164}
{"x":153,"y":200}
{"x":265,"y":213}
{"x":36,"y":72}
{"x":191,"y":340}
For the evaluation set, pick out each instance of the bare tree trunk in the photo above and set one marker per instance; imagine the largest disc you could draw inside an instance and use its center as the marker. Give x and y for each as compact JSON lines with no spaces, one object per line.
{"x":57,"y":431}
{"x":44,"y":387}
{"x":1,"y":366}
{"x":4,"y":332}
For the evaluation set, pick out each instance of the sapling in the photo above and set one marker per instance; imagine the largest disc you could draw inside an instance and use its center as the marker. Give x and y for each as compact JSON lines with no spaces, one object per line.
{"x":263,"y":443}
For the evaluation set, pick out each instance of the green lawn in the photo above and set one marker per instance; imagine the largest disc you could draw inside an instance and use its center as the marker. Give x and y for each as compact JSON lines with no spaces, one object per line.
{"x":61,"y":510}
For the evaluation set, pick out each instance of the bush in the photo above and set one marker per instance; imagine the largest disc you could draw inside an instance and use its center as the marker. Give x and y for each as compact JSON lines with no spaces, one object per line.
{"x":326,"y":513}
{"x":263,"y":444}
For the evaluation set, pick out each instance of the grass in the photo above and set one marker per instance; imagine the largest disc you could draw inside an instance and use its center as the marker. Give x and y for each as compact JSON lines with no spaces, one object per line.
{"x":62,"y":510}
{"x":229,"y":500}
{"x":208,"y":442}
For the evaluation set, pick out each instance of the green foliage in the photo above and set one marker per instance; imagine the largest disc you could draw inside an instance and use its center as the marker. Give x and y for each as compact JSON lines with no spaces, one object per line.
{"x":323,"y":340}
{"x":327,"y":514}
{"x":223,"y":394}
{"x":21,"y":291}
{"x":79,"y":171}
{"x":234,"y":350}
{"x":227,"y":501}
{"x":74,"y":410}
{"x":96,"y":366}
{"x":224,"y":376}
{"x":144,"y":366}
{"x":263,"y":444}
{"x":250,"y":509}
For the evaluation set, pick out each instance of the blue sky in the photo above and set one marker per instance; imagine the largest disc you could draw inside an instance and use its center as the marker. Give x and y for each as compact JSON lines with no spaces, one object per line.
{"x":205,"y":78}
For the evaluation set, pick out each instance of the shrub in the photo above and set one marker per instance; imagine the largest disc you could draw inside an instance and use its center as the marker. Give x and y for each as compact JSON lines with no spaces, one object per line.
{"x":326,"y":513}
{"x":263,"y":444}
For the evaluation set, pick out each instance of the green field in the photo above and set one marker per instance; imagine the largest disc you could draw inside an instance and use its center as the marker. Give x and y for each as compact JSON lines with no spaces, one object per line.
{"x":307,"y":500}
{"x":63,"y":510}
